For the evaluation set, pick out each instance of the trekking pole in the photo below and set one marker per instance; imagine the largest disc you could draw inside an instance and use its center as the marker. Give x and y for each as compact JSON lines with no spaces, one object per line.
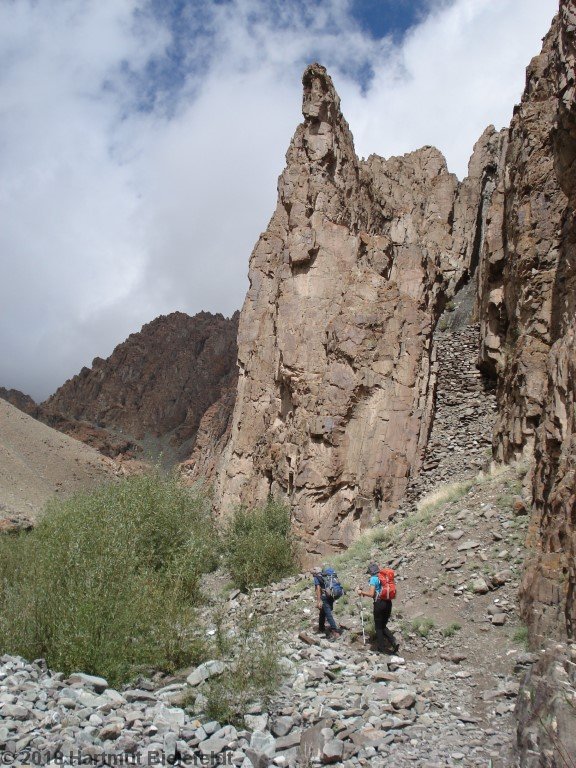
{"x":362,"y":620}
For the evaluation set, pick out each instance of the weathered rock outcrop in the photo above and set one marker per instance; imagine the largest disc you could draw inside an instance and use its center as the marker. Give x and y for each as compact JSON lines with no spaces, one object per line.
{"x":211,"y":439}
{"x":555,"y":476}
{"x":19,"y":400}
{"x":520,"y":259}
{"x":527,"y":304}
{"x":527,"y":307}
{"x":335,"y":391}
{"x":464,"y":405}
{"x":102,"y":440}
{"x":154,"y":388}
{"x":105,"y":441}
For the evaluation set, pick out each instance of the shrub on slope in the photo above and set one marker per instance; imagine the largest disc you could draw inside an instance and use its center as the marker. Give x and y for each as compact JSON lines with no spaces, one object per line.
{"x":260,"y":545}
{"x":107,"y":581}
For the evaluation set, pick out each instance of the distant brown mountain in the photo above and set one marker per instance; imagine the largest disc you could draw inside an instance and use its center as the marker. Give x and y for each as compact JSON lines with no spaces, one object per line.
{"x":19,"y":400}
{"x":153,"y":390}
{"x":149,"y":396}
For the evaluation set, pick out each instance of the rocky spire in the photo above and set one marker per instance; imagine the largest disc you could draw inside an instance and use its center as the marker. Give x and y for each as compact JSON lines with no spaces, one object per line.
{"x":336,"y":354}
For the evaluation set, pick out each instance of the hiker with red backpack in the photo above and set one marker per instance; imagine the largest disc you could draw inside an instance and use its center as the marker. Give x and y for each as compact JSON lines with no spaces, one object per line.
{"x":382,"y":589}
{"x":327,"y":588}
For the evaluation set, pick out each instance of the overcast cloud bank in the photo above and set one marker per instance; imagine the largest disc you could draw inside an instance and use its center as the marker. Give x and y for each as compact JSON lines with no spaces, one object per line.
{"x":140,"y":145}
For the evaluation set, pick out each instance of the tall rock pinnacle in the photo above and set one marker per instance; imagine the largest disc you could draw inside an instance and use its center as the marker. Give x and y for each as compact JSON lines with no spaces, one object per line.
{"x":335,"y":342}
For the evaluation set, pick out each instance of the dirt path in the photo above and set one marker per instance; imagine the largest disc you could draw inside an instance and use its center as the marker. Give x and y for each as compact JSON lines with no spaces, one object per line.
{"x":462,"y":651}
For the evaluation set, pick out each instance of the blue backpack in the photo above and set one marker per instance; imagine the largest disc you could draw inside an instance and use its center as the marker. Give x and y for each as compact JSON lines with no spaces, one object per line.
{"x":332,"y":586}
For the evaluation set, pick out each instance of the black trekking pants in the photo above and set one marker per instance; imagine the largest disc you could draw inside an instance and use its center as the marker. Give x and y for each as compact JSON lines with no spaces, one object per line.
{"x":382,"y":611}
{"x":326,"y":613}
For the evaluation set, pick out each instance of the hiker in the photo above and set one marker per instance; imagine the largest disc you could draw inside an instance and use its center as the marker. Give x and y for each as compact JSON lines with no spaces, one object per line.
{"x":325,"y":602}
{"x":382,"y":590}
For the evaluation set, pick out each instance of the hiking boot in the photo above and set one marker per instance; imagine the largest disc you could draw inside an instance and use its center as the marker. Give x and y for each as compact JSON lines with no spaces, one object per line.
{"x":391,"y":651}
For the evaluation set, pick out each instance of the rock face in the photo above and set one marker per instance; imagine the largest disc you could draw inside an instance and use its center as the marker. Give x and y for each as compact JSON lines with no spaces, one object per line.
{"x":527,"y":303}
{"x":527,"y":306}
{"x":464,"y":407}
{"x":211,"y":439}
{"x":335,"y":353}
{"x":154,"y":388}
{"x":103,"y":440}
{"x":555,"y":476}
{"x":521,"y":255}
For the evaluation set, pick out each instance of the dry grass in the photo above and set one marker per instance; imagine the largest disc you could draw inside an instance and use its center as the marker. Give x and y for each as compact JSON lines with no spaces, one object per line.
{"x":443,"y":495}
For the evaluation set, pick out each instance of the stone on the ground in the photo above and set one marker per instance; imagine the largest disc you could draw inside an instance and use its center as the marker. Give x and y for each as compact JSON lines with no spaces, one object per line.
{"x":332,"y":751}
{"x":479,"y":586}
{"x":98,"y":683}
{"x":213,"y":744}
{"x":402,"y":699}
{"x":282,"y":725}
{"x":204,"y":671}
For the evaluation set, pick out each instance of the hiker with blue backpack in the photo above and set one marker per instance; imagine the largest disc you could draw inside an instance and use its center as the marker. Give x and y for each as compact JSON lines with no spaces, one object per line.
{"x":382,"y":590}
{"x":327,"y":589}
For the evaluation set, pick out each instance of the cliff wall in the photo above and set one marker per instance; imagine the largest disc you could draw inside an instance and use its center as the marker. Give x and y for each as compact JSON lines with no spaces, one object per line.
{"x":336,"y":388}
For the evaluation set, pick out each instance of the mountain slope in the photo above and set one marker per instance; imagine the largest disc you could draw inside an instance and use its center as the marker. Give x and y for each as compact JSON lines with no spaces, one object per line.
{"x":37,"y":462}
{"x":153,"y":390}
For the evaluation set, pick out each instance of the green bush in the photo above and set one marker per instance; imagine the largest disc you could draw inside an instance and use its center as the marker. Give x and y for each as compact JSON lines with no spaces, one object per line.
{"x":107,"y":581}
{"x":260,"y":545}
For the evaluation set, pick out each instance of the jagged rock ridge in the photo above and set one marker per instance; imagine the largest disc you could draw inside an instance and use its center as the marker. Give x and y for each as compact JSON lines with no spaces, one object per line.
{"x":154,"y":388}
{"x":335,"y":392}
{"x":102,"y":440}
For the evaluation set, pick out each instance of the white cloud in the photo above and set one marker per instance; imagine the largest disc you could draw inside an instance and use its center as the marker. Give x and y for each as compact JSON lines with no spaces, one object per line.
{"x":112,"y":215}
{"x":461,"y":71}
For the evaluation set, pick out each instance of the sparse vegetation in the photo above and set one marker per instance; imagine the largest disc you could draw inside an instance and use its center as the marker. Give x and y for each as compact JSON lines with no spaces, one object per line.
{"x":404,"y":626}
{"x":451,"y":629}
{"x":505,"y":501}
{"x":422,"y":626}
{"x":521,"y":636}
{"x":361,"y":549}
{"x":108,"y":580}
{"x":259,"y":544}
{"x":441,"y":496}
{"x":443,"y":324}
{"x":253,"y":673}
{"x":300,"y":586}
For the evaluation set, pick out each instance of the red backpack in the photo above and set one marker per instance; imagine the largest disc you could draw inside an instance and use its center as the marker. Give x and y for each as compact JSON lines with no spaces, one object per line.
{"x":388,"y":587}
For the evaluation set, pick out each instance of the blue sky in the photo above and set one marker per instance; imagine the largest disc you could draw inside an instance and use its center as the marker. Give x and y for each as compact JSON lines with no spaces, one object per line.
{"x":141,"y":141}
{"x":380,"y":18}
